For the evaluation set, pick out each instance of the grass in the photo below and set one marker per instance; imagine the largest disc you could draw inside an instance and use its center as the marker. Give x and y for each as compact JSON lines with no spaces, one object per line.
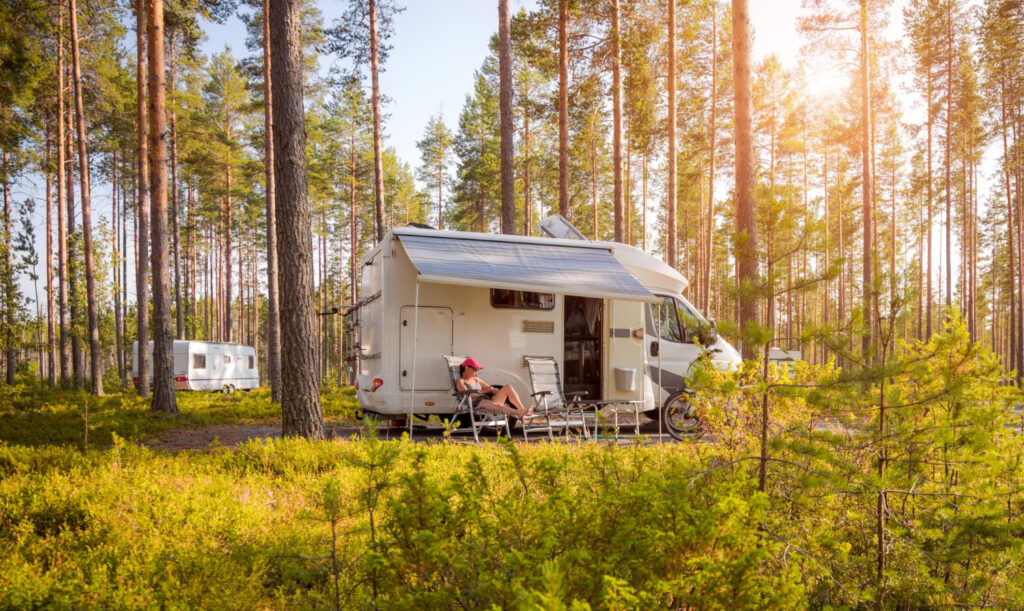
{"x":34,"y":415}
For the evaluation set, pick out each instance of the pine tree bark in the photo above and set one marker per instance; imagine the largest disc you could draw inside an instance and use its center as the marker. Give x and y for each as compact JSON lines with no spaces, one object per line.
{"x":273,"y":311}
{"x":164,"y":399}
{"x":619,"y":220}
{"x":77,"y":367}
{"x":508,"y":193}
{"x":746,"y":216}
{"x":142,"y":381}
{"x":50,"y":336}
{"x":670,"y":85}
{"x":91,"y":307}
{"x":563,"y":108}
{"x":709,"y":222}
{"x":8,"y":275}
{"x":300,"y":388}
{"x":115,"y":252}
{"x":867,"y":186}
{"x":62,"y":232}
{"x":179,"y":323}
{"x":378,"y":160}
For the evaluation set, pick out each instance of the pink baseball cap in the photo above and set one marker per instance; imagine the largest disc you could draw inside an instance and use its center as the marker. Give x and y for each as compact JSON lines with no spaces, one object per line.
{"x":472,"y":362}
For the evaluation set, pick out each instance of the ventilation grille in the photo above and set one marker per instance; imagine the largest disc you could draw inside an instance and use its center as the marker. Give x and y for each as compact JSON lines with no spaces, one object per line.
{"x":538,"y":326}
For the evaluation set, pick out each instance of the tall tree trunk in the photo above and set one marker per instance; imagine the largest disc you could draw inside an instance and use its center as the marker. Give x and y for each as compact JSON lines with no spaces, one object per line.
{"x":77,"y":367}
{"x":508,"y":187}
{"x":670,"y":85}
{"x":142,"y":208}
{"x":378,"y":161}
{"x":9,"y":289}
{"x":62,"y":232}
{"x":712,"y":132}
{"x":563,"y":107}
{"x":229,"y":333}
{"x":527,"y":201}
{"x":300,"y":387}
{"x":51,"y":343}
{"x":746,"y":219}
{"x":164,"y":399}
{"x":948,"y":147}
{"x":928,"y":255}
{"x":115,"y":252}
{"x":273,"y":311}
{"x":179,"y":323}
{"x":619,"y":224}
{"x":95,"y":358}
{"x":867,"y":186}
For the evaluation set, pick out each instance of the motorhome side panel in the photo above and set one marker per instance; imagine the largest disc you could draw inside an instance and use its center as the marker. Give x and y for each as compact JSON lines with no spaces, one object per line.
{"x":498,"y":337}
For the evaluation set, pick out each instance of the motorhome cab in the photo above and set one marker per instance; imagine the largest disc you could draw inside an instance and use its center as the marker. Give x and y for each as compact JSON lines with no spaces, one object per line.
{"x":216,"y":366}
{"x":612,"y":316}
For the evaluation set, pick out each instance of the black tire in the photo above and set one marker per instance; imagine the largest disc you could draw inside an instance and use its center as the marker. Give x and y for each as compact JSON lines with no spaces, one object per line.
{"x":678,"y":415}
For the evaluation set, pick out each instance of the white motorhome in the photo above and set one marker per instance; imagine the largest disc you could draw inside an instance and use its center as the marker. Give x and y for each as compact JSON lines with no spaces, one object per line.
{"x":216,"y":366}
{"x":612,"y":316}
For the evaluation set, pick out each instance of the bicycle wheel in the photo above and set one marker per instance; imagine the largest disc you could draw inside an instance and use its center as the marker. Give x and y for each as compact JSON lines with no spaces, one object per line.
{"x":678,"y":415}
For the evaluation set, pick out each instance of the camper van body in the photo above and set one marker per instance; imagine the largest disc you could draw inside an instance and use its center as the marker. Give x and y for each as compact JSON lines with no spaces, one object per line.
{"x":613,"y":348}
{"x":216,"y":366}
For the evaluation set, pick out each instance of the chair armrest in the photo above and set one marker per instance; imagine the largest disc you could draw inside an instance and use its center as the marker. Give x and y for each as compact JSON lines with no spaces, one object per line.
{"x":542,"y":393}
{"x":575,"y":396}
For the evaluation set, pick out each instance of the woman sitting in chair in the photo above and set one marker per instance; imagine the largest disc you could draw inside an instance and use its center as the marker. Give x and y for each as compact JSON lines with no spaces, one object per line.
{"x":487,"y":396}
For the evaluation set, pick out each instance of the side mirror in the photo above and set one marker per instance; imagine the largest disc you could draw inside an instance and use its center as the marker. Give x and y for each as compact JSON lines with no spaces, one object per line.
{"x":712,"y":332}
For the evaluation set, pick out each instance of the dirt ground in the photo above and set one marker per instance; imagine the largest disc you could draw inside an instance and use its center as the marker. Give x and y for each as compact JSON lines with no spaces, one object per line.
{"x":231,"y":435}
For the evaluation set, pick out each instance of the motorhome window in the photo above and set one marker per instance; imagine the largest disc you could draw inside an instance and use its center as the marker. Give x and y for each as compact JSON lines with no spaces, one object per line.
{"x":252,"y":361}
{"x":692,"y":321}
{"x":668,"y":321}
{"x":524,"y":300}
{"x":198,"y":361}
{"x":227,"y":359}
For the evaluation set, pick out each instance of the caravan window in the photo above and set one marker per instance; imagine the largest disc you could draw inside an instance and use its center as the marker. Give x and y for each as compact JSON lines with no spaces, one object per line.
{"x":252,"y":361}
{"x":198,"y":361}
{"x":227,"y":359}
{"x":524,"y":300}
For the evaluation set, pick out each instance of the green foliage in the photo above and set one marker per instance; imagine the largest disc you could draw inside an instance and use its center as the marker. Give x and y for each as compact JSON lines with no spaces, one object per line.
{"x":35,"y":415}
{"x":368,"y":522}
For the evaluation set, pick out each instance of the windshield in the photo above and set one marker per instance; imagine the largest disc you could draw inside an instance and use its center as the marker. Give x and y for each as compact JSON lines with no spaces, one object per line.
{"x":689,"y":315}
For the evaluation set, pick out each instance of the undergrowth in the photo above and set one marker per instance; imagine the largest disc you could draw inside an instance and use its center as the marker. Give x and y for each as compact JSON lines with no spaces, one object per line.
{"x":34,"y":414}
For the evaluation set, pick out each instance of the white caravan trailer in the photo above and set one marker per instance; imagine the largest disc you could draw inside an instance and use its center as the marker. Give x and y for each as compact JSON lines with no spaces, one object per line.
{"x":216,"y":366}
{"x":612,"y":316}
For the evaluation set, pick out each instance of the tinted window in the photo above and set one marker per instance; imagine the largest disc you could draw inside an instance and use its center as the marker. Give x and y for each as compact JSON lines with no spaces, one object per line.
{"x":526,"y":300}
{"x":198,"y":361}
{"x":252,"y":361}
{"x":227,"y":359}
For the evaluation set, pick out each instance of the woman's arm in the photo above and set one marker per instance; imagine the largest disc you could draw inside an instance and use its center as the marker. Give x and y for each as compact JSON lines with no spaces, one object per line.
{"x":460,"y":385}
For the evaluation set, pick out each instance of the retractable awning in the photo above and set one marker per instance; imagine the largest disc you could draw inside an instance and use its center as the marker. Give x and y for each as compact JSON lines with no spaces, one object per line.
{"x":527,"y":265}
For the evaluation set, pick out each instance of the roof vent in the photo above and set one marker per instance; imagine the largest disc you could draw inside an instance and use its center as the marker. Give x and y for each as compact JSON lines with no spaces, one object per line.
{"x":556,"y":226}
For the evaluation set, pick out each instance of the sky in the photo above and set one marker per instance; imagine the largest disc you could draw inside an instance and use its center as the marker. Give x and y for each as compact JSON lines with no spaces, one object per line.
{"x":438,"y":44}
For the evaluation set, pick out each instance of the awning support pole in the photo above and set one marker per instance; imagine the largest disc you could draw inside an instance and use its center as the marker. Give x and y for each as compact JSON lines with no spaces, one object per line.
{"x":415,"y":346}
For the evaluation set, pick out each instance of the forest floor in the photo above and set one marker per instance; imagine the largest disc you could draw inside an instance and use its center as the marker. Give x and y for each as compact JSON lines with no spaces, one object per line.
{"x":232,"y":435}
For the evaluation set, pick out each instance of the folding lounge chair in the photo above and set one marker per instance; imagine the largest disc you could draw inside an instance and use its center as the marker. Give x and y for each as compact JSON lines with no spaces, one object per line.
{"x":551,"y":400}
{"x":478,"y":418}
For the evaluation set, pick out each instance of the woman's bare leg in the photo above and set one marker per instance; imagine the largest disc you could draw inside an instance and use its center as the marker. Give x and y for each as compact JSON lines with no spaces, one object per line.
{"x":508,"y":393}
{"x":498,"y":407}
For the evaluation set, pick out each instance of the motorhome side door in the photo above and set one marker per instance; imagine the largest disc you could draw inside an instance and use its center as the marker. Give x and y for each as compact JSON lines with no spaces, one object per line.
{"x":433,"y":326}
{"x":669,"y":350}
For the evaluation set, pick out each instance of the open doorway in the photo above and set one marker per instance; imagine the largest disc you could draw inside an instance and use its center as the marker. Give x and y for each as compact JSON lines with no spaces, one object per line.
{"x":582,"y":350}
